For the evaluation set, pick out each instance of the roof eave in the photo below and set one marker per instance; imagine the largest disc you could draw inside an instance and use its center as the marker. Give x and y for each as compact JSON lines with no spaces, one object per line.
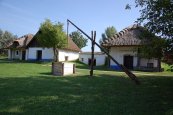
{"x":121,"y":45}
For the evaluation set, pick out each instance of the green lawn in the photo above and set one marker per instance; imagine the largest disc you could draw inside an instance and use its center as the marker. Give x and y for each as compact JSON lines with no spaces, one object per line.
{"x":29,"y":88}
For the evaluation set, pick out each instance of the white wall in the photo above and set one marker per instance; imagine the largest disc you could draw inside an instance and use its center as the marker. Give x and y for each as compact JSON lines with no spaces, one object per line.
{"x":100,"y":58}
{"x":12,"y":54}
{"x":118,"y":54}
{"x":26,"y":55}
{"x":71,"y":55}
{"x":143,"y":62}
{"x":47,"y":54}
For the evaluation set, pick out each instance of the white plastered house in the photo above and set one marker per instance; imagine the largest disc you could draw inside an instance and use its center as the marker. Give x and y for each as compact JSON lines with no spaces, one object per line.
{"x":99,"y":58}
{"x":27,"y":47}
{"x":124,"y":47}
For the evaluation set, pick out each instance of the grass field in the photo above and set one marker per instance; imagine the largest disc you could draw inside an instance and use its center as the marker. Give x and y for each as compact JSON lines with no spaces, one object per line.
{"x":29,"y":88}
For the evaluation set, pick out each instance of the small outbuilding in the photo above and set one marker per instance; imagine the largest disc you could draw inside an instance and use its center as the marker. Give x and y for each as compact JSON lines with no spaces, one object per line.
{"x":99,"y":58}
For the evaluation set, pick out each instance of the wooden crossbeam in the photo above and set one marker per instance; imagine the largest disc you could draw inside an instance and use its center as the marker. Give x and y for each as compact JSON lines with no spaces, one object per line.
{"x":130,"y":74}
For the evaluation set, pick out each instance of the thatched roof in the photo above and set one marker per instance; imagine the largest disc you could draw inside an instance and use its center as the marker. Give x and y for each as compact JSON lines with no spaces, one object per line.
{"x":25,"y":41}
{"x":21,"y":42}
{"x":129,"y":36}
{"x":95,"y":53}
{"x":72,"y":46}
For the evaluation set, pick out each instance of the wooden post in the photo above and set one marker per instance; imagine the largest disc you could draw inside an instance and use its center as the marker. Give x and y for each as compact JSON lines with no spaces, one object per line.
{"x":93,"y":36}
{"x":62,"y":69}
{"x":74,"y":68}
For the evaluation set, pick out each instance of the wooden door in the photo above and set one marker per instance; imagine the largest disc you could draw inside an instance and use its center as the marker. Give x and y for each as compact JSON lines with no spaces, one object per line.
{"x":39,"y":55}
{"x":23,"y":55}
{"x":128,"y":62}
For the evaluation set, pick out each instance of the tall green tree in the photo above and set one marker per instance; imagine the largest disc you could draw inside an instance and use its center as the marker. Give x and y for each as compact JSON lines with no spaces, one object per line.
{"x":152,"y":46}
{"x":52,"y":35}
{"x":109,"y":32}
{"x":78,"y":39}
{"x":157,"y":16}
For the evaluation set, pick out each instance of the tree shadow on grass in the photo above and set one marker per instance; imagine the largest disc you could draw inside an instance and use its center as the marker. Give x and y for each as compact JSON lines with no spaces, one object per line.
{"x":80,"y":65}
{"x":6,"y":60}
{"x":103,"y":94}
{"x":46,"y":73}
{"x":101,"y":68}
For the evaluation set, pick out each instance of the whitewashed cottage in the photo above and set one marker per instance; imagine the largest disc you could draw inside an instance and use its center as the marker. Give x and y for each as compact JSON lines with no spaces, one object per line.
{"x":124,"y":46}
{"x":27,"y":47}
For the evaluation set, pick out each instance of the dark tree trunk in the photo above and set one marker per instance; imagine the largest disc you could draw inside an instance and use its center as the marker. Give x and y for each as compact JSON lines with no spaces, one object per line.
{"x":56,"y":54}
{"x":56,"y":65}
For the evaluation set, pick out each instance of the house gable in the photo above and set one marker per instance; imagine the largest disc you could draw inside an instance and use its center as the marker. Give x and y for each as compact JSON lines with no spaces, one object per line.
{"x":34,"y":43}
{"x":71,"y":46}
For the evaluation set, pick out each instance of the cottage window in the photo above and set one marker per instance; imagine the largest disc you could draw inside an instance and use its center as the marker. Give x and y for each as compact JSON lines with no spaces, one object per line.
{"x":17,"y":52}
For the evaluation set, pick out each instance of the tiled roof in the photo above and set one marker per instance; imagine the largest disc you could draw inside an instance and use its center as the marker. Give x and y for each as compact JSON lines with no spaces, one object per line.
{"x":129,"y":36}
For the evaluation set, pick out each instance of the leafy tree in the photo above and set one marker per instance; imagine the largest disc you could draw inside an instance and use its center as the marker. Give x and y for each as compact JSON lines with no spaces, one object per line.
{"x":168,"y":51}
{"x":5,"y":38}
{"x":109,"y":32}
{"x":78,"y":39}
{"x":1,"y":39}
{"x":157,"y":16}
{"x":153,"y":46}
{"x":52,"y":35}
{"x":1,"y":33}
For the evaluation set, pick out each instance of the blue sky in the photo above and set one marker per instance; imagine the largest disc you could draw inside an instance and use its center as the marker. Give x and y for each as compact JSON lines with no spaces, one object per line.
{"x":24,"y":16}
